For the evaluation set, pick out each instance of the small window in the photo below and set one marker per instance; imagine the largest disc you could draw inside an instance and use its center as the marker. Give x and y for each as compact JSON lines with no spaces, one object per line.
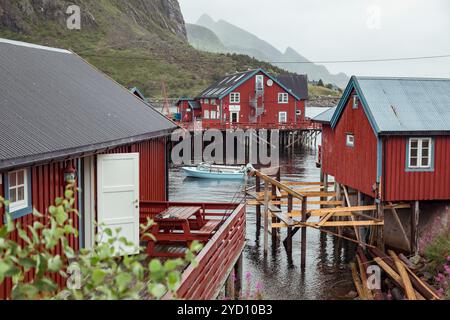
{"x":355,"y":102}
{"x":213,"y":102}
{"x":213,"y":114}
{"x":282,"y":117}
{"x":350,"y":140}
{"x":206,"y":114}
{"x":206,"y":101}
{"x":201,"y":100}
{"x":18,"y":193}
{"x":259,"y":82}
{"x":419,"y":153}
{"x":283,"y":97}
{"x":235,"y":97}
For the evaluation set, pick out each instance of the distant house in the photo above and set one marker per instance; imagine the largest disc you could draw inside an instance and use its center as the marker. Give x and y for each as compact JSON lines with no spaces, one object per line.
{"x":61,"y":117}
{"x":188,"y":109}
{"x":253,"y":98}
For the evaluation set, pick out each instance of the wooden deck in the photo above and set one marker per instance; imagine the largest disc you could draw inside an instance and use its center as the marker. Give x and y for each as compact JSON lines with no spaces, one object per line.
{"x":220,"y":254}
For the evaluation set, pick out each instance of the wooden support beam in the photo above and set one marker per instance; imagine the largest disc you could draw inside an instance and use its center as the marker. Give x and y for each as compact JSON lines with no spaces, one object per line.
{"x":415,"y":227}
{"x":294,"y":202}
{"x":409,"y":290}
{"x":400,"y":225}
{"x":303,"y":233}
{"x":325,"y":219}
{"x":363,"y":274}
{"x":266,"y":216}
{"x":306,"y":183}
{"x":357,"y":282}
{"x":349,"y":204}
{"x":258,"y":205}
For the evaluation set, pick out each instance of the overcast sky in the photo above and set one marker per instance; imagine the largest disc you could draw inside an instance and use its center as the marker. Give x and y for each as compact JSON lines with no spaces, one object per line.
{"x":345,"y":30}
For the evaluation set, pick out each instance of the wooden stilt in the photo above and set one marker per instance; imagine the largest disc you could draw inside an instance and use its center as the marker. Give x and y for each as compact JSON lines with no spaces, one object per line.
{"x":400,"y":225}
{"x":238,"y":277}
{"x":258,"y":206}
{"x":266,"y":216}
{"x":349,"y":204}
{"x":415,"y":227}
{"x":303,"y":234}
{"x":289,"y":231}
{"x":380,"y":216}
{"x":229,"y":287}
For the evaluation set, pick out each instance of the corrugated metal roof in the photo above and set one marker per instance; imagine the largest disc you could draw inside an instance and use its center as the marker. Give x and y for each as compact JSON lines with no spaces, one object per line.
{"x":402,"y":105}
{"x":54,"y":103}
{"x":325,"y":117}
{"x":297,"y":83}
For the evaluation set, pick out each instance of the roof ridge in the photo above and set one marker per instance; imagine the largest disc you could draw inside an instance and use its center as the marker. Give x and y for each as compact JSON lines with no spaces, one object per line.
{"x":34,"y":46}
{"x":400,"y":78}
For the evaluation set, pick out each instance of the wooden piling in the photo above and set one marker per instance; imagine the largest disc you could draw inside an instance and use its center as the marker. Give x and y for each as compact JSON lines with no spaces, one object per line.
{"x":266,"y":216}
{"x":289,"y":231}
{"x":258,"y":206}
{"x":415,"y":227}
{"x":303,"y":234}
{"x":238,"y":272}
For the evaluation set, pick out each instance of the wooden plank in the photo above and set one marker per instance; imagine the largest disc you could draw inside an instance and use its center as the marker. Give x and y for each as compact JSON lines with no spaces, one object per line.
{"x":343,"y":209}
{"x":409,"y":290}
{"x":296,"y":213}
{"x":363,"y":274}
{"x":359,"y":223}
{"x":347,"y":198}
{"x":357,"y":282}
{"x":295,"y":202}
{"x":421,"y":283}
{"x":325,"y":219}
{"x":304,"y":183}
{"x":278,"y":184}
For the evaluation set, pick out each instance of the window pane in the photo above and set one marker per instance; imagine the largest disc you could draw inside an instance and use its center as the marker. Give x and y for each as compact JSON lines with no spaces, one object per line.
{"x":12,"y":179}
{"x":425,"y":152}
{"x":20,"y":193}
{"x":12,"y":195}
{"x":413,"y":152}
{"x":414,"y":144}
{"x":425,"y":143}
{"x":20,"y":178}
{"x":413,"y":162}
{"x":425,"y":162}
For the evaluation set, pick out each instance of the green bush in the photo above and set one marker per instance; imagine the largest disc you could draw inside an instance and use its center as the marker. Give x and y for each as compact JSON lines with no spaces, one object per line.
{"x":92,"y":274}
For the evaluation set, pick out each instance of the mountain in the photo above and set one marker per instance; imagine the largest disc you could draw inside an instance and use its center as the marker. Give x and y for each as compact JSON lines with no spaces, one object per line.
{"x":238,"y":40}
{"x":140,"y":43}
{"x":204,"y":39}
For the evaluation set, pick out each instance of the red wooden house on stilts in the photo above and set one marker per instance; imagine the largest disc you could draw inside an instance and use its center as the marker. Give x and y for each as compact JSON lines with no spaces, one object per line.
{"x":389,"y":140}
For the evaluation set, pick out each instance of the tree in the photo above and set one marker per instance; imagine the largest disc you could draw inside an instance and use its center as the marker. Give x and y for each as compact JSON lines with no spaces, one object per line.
{"x":320,"y":83}
{"x":92,"y":274}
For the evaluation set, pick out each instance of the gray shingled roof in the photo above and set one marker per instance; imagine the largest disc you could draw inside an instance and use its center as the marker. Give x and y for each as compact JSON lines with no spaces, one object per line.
{"x":54,"y":104}
{"x":325,"y":117}
{"x":298,"y":83}
{"x":402,"y":105}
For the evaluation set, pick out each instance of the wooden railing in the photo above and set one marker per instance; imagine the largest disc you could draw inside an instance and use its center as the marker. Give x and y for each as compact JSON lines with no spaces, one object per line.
{"x":304,"y":124}
{"x":217,"y":258}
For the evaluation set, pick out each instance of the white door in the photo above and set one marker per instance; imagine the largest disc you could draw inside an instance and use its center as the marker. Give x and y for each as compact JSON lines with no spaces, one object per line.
{"x":118,"y":197}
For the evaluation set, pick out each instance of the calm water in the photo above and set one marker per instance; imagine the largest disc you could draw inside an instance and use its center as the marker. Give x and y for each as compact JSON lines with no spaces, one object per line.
{"x":326,"y":275}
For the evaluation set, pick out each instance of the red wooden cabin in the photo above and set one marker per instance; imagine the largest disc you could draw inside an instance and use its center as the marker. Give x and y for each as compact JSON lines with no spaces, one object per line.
{"x":254,"y":99}
{"x":390,"y":138}
{"x":60,"y":118}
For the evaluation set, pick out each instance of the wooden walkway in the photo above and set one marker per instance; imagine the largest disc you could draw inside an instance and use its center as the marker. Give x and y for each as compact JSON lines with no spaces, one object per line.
{"x":280,"y":197}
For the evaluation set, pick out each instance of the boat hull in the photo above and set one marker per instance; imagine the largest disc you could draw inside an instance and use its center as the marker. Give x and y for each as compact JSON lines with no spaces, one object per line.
{"x":193,"y":172}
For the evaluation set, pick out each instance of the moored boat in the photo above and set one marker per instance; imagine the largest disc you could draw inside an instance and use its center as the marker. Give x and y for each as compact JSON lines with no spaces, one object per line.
{"x":210,"y":171}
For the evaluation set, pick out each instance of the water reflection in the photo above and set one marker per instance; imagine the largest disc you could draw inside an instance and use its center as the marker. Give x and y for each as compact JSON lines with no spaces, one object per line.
{"x":326,"y":275}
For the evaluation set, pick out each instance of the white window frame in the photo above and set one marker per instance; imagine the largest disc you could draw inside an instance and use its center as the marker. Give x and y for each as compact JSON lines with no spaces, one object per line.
{"x":235,"y":97}
{"x":419,"y":156}
{"x":206,"y":114}
{"x":213,"y":114}
{"x":285,"y":116}
{"x":206,"y":101}
{"x":259,"y":79}
{"x":283,"y":97}
{"x":213,"y":102}
{"x":350,"y":140}
{"x":21,"y":204}
{"x":355,"y":102}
